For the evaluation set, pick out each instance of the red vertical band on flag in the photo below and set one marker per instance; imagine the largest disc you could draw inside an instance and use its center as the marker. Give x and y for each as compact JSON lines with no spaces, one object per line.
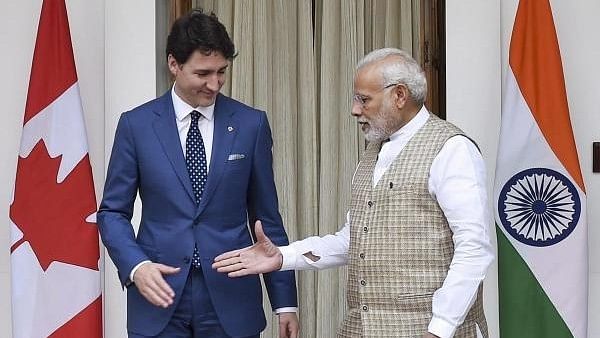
{"x":53,"y":69}
{"x":536,"y":62}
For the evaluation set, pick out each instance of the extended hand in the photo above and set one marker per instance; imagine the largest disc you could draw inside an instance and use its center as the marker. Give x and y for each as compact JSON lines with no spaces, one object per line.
{"x":288,"y":325}
{"x":149,"y":280}
{"x":261,"y":257}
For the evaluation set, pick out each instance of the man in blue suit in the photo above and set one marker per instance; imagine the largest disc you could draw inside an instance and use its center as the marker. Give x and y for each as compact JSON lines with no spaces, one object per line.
{"x":202,"y":165}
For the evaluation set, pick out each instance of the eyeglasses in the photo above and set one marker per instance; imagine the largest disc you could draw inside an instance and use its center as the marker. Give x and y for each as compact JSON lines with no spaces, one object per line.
{"x":364,"y":99}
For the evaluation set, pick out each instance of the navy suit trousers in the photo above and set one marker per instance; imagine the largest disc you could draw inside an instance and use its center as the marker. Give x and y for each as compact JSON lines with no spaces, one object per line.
{"x":194,"y":316}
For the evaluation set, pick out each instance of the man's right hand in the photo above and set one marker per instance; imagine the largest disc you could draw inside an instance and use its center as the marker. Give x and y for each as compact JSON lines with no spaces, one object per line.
{"x":148,"y":279}
{"x":262,"y":257}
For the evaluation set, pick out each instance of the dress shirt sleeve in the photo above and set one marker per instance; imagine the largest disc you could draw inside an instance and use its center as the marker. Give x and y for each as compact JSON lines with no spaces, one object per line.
{"x":458,"y":183}
{"x":332,"y":251}
{"x":286,"y":310}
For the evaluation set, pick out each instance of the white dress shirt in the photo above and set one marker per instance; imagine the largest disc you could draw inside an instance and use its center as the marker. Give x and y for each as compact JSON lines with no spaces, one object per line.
{"x":457,"y":181}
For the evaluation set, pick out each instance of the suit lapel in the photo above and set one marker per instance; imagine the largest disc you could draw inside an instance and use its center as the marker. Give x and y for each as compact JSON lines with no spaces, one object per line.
{"x":223,"y":136}
{"x":165,"y":128}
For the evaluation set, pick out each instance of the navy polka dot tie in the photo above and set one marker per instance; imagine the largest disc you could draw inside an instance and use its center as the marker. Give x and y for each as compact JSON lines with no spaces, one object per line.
{"x":195,"y":161}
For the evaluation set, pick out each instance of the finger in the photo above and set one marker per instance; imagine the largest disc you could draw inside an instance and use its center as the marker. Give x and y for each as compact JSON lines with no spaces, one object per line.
{"x":226,"y":262}
{"x":295,"y":330}
{"x":229,"y":254}
{"x":160,"y":289}
{"x":165,"y":299}
{"x":231,"y":267}
{"x":260,"y":234}
{"x":167,"y":270}
{"x":165,"y":291}
{"x":149,"y":291}
{"x":283,"y":330}
{"x":151,"y":297}
{"x":239,"y":273}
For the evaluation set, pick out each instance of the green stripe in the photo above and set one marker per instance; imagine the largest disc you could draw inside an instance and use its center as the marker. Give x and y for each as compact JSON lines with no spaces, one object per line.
{"x":525,"y":309}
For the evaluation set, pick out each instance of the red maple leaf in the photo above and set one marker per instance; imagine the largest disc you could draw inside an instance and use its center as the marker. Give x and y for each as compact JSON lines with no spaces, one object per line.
{"x":52,"y":215}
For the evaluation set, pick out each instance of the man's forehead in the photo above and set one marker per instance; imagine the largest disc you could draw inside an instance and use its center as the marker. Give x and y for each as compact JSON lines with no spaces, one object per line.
{"x":368,"y":75}
{"x":212,"y":58}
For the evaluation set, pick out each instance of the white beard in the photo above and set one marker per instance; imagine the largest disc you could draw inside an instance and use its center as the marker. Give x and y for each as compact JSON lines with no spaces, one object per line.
{"x":382,"y":125}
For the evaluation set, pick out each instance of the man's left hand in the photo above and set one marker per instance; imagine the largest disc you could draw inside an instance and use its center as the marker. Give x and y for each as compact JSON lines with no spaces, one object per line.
{"x":288,"y":325}
{"x":430,"y":335}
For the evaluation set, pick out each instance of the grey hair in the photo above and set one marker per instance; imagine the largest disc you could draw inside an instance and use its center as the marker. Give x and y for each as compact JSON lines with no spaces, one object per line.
{"x":406,"y":71}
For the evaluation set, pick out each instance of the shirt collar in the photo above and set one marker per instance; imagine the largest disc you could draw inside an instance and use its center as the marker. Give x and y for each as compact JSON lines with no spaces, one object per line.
{"x":413,"y":125}
{"x":182,"y":109}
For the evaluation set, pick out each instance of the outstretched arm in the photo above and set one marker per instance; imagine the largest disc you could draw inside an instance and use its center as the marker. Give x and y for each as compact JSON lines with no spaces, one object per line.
{"x":308,"y":254}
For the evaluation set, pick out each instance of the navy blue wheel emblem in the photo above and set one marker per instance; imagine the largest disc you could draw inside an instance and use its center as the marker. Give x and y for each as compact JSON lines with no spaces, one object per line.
{"x":539,"y":207}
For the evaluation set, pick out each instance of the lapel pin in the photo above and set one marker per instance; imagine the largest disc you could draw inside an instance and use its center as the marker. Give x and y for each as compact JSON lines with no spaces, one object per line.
{"x":230,"y":128}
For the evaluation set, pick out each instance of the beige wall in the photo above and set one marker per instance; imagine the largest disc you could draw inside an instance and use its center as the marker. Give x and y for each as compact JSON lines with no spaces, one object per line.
{"x":473,"y":89}
{"x":115,"y":55}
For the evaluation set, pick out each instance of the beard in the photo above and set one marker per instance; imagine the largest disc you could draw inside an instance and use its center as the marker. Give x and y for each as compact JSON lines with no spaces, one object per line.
{"x":382,"y":125}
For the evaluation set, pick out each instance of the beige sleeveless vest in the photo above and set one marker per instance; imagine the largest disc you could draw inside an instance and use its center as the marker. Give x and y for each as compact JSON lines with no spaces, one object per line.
{"x":400,"y":244}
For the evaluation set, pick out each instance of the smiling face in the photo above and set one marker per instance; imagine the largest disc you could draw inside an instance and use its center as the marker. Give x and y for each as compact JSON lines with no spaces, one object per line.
{"x":199,"y":79}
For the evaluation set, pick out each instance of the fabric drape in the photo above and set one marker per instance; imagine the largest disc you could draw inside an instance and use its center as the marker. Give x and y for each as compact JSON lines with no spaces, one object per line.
{"x":296,"y":61}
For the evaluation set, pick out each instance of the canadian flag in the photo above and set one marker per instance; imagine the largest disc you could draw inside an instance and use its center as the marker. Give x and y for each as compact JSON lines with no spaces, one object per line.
{"x":54,"y":237}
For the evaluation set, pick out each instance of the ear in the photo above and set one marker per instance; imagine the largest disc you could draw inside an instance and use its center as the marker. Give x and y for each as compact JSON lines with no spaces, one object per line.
{"x":401,"y":95}
{"x":174,"y":66}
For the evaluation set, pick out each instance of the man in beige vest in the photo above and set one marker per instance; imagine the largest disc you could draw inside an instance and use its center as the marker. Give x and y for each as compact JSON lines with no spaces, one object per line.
{"x":416,"y":238}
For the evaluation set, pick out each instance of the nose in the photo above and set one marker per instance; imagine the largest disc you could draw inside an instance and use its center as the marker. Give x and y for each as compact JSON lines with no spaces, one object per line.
{"x":214,"y":82}
{"x":356,"y":109}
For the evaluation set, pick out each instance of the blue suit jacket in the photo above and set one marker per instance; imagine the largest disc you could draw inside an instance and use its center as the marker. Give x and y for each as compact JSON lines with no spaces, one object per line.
{"x":147,"y":157}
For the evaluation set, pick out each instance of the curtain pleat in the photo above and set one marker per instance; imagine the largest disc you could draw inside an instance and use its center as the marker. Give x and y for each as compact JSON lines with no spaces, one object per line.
{"x":296,"y":61}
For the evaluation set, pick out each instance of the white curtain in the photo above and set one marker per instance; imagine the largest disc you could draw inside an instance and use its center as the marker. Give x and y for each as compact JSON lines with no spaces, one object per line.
{"x":296,"y":61}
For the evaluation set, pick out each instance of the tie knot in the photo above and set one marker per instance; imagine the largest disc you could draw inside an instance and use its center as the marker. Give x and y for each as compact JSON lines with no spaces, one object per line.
{"x":195,"y":116}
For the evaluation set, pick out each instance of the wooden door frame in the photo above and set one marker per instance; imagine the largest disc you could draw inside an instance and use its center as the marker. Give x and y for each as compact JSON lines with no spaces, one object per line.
{"x":433,"y":53}
{"x":178,"y":8}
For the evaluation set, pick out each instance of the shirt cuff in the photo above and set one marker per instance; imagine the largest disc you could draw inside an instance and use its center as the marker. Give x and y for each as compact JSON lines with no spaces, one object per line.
{"x":441,"y":328}
{"x":135,"y":269}
{"x":286,"y":310}
{"x":289,"y":255}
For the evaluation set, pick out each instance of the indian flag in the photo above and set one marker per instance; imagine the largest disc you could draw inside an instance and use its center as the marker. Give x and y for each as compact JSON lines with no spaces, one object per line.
{"x":539,"y":193}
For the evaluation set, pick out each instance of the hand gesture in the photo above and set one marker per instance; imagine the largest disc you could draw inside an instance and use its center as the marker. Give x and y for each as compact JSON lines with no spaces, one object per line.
{"x":261,"y":257}
{"x":148,"y":279}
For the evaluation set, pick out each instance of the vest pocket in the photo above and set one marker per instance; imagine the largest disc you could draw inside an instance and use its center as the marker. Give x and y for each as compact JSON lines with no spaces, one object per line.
{"x":413,"y":301}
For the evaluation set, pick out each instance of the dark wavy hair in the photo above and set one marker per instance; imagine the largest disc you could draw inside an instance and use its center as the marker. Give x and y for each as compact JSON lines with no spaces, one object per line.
{"x":198,"y":31}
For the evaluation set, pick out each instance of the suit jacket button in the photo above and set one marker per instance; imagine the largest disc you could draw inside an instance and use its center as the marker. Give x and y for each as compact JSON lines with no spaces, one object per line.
{"x":186,"y":260}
